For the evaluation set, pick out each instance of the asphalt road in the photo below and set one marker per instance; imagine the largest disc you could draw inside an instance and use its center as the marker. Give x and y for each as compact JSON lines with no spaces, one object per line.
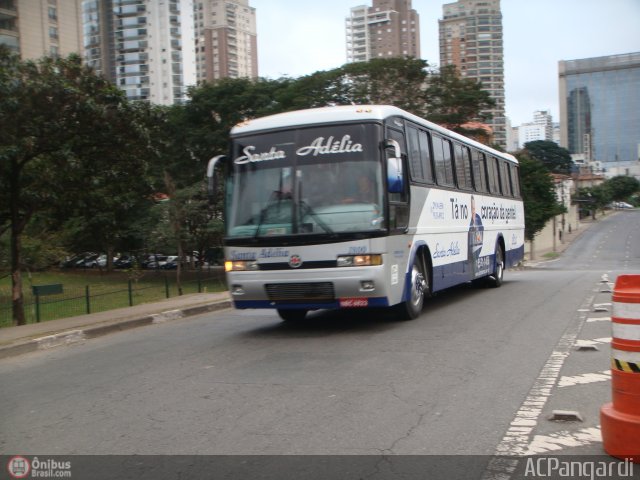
{"x":453,"y":382}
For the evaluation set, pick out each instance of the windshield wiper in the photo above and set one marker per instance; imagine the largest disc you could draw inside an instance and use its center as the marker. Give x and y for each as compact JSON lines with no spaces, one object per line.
{"x":277,"y":197}
{"x":308,"y":210}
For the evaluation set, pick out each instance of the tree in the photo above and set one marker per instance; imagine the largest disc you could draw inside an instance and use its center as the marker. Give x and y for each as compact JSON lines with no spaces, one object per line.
{"x":200,"y":129}
{"x":538,"y":194}
{"x":391,"y":81}
{"x":453,"y":101}
{"x":597,"y":197}
{"x":194,"y":133}
{"x":553,"y":156}
{"x":622,"y":187}
{"x":104,"y":216}
{"x":62,"y":124}
{"x":442,"y":95}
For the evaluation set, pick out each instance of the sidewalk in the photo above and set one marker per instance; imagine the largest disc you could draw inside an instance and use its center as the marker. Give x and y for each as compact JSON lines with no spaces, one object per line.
{"x":41,"y":336}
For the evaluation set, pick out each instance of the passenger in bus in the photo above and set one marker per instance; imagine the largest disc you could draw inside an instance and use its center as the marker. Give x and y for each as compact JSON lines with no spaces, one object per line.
{"x":318,"y":184}
{"x":364,"y":191}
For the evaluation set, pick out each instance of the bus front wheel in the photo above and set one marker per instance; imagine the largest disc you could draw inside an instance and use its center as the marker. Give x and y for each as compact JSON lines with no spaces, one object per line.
{"x":412,"y":307}
{"x":292,"y":315}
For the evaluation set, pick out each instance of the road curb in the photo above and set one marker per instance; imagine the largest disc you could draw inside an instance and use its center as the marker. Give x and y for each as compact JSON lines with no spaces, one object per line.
{"x":69,"y":337}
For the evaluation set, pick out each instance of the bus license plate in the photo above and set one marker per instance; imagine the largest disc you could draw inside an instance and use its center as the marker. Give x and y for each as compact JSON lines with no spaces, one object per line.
{"x":354,"y":302}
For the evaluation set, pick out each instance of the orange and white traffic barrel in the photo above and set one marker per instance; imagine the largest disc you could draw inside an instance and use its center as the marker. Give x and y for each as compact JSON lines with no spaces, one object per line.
{"x":620,"y":419}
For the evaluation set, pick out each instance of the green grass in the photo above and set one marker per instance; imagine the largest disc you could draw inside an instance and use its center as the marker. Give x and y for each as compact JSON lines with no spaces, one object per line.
{"x":106,"y":291}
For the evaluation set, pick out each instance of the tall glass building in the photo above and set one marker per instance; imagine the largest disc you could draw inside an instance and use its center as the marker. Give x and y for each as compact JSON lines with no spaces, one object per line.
{"x":600,"y":111}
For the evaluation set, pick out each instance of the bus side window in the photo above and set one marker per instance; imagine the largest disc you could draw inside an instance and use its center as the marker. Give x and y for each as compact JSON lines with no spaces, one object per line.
{"x":515,"y":180}
{"x":427,"y":166}
{"x":463,"y":166}
{"x":480,"y":171}
{"x":505,"y":175}
{"x":442,"y":158}
{"x":415,"y":160}
{"x":494,"y":175}
{"x":419,"y":156}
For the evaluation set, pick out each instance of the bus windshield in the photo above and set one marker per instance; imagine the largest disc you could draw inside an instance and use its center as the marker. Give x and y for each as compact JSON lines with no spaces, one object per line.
{"x":323,"y":180}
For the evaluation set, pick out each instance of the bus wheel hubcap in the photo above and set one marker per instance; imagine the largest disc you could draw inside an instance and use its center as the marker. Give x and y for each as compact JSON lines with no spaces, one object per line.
{"x":419,"y":285}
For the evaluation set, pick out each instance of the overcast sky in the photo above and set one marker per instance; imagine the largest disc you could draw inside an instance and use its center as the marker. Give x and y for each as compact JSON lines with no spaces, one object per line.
{"x":299,"y":37}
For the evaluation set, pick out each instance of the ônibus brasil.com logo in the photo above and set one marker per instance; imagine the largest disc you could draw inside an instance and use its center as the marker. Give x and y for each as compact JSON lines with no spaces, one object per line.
{"x":18,"y":467}
{"x":21,"y":467}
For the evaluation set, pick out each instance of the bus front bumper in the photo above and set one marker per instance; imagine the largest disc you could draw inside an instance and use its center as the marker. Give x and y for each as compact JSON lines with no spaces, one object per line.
{"x":350,"y":287}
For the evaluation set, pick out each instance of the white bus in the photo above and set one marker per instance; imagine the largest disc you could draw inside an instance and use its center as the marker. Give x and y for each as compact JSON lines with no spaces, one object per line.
{"x":363,"y":206}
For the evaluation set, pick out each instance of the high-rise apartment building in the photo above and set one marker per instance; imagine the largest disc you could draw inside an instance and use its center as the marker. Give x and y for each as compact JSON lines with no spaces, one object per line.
{"x":41,"y":28}
{"x":389,"y":28}
{"x":137,"y":44}
{"x":540,"y":129}
{"x":226,"y":40}
{"x":471,"y":39}
{"x":600,"y":111}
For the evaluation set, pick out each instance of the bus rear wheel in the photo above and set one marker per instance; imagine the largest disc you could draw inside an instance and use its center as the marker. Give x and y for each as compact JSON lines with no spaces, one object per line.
{"x":292,"y":315}
{"x":412,"y":307}
{"x":498,"y":273}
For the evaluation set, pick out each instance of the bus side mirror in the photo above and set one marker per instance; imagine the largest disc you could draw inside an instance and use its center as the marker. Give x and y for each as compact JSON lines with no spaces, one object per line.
{"x":212,"y":191}
{"x":395,"y":174}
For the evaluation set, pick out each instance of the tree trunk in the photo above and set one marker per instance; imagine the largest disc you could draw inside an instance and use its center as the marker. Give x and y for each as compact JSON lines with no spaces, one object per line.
{"x":17,"y":225}
{"x":110,"y":259}
{"x":175,"y":219}
{"x":179,"y":268}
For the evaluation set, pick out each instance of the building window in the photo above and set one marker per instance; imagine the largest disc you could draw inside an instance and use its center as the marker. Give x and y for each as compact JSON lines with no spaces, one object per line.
{"x":53,"y":13}
{"x":53,"y":32}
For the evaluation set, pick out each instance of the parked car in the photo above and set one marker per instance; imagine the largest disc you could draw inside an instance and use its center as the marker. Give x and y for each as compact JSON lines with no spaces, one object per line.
{"x":620,"y":205}
{"x":97,"y":261}
{"x":70,"y":262}
{"x":84,"y":260}
{"x":171,"y":263}
{"x":125,"y":261}
{"x":154,"y":261}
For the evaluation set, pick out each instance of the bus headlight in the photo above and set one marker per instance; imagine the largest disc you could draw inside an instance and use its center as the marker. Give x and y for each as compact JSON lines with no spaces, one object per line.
{"x":240,"y":266}
{"x":359,"y":260}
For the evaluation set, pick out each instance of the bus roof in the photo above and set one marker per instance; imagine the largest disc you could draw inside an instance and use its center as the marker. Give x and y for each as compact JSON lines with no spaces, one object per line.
{"x":348,"y":113}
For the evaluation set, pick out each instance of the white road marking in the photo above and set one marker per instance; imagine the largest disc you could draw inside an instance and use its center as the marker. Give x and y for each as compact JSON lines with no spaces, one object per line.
{"x":595,"y":341}
{"x":585,"y":378}
{"x":599,"y":319}
{"x":516,"y":441}
{"x":560,"y":440}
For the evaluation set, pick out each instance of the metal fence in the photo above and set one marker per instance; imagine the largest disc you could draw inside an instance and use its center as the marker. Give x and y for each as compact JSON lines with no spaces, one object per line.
{"x":57,"y":300}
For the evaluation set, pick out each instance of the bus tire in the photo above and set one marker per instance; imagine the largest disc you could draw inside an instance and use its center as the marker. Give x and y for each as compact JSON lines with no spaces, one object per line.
{"x":292,"y":315}
{"x":495,"y":279}
{"x":412,"y":307}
